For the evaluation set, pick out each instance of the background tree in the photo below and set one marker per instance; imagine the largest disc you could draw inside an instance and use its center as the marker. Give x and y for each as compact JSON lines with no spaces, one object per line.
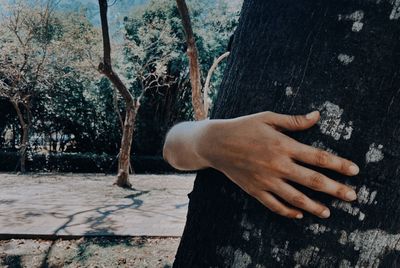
{"x":38,"y":49}
{"x":213,"y":24}
{"x":75,"y":109}
{"x":199,"y":99}
{"x":144,"y":71}
{"x":7,"y":120}
{"x":192,"y":53}
{"x":291,"y":57}
{"x":131,"y":104}
{"x":26,"y":49}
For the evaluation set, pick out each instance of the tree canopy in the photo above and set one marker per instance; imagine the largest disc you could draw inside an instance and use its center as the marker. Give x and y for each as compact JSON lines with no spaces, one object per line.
{"x":49,"y":52}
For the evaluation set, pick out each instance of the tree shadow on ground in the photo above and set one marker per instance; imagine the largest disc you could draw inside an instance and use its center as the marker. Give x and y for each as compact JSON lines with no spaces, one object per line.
{"x":96,"y":227}
{"x":11,"y":261}
{"x":7,"y":201}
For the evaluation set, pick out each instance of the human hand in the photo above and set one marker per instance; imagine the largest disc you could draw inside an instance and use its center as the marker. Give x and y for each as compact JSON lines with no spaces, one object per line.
{"x":253,"y":152}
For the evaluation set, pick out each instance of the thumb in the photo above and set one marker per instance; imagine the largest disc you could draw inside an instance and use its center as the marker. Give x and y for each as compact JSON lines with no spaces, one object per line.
{"x":293,"y":122}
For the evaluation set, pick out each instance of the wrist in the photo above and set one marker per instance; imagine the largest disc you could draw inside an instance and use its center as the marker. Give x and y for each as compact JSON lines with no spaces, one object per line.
{"x":206,"y":142}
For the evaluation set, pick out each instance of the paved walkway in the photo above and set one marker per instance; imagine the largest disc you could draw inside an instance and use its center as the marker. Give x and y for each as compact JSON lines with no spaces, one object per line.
{"x":88,"y":204}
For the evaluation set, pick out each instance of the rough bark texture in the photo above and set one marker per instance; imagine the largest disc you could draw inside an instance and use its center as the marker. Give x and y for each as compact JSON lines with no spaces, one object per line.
{"x":194,"y":65}
{"x":292,"y":56}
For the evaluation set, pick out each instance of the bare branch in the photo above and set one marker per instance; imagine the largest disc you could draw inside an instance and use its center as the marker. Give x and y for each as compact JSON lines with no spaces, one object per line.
{"x":105,"y":67}
{"x":208,"y":79}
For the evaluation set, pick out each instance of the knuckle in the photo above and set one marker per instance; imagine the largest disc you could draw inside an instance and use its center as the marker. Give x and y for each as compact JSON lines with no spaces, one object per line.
{"x":344,"y":166}
{"x":273,"y":184}
{"x":277,"y":142}
{"x":299,"y":201}
{"x":275,"y":164}
{"x":267,"y":184}
{"x":251,"y":191}
{"x":268,"y":113}
{"x":266,"y":116}
{"x":286,"y":170}
{"x":295,"y":121}
{"x":316,"y":181}
{"x":280,"y":164}
{"x":318,"y":209}
{"x":275,"y":209}
{"x":292,"y":214}
{"x":283,"y":212}
{"x":286,"y":213}
{"x":322,"y":158}
{"x":341,"y":192}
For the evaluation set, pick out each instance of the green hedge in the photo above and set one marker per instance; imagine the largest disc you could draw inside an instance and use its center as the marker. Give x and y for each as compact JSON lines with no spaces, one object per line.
{"x":81,"y":163}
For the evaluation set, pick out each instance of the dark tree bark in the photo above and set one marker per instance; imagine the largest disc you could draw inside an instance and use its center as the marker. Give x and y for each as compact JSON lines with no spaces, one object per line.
{"x":292,"y":56}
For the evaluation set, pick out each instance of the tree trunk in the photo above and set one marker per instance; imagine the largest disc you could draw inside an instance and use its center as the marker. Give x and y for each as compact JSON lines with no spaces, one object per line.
{"x":340,"y":57}
{"x":131,"y":105}
{"x":25,"y":136}
{"x":24,"y":147}
{"x":125,"y":151}
{"x":194,"y":65}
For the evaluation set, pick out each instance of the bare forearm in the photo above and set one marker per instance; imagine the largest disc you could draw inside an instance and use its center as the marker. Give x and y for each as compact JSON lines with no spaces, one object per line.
{"x":181,"y":145}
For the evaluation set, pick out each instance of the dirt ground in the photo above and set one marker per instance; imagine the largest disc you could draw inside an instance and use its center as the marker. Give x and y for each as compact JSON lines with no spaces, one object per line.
{"x":138,"y":227}
{"x":89,"y":204}
{"x":89,"y":252}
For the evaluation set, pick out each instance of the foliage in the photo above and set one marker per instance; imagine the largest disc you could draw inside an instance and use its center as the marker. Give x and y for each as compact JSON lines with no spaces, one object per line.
{"x":83,"y":112}
{"x":82,"y":163}
{"x":158,"y":26}
{"x":48,"y":66}
{"x":37,"y":47}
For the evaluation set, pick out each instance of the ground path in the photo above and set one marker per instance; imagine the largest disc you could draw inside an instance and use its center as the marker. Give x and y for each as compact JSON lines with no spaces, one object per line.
{"x":63,"y":208}
{"x":86,"y":204}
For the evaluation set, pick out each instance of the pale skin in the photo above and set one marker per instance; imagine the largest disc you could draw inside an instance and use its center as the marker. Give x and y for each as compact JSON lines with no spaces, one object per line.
{"x":254,"y":152}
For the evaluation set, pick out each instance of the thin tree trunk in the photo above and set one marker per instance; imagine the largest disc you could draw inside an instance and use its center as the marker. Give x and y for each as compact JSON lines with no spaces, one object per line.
{"x":116,"y":108}
{"x":24,"y":147}
{"x":125,"y":151}
{"x":340,"y":57}
{"x":25,"y":136}
{"x":194,"y":66}
{"x":14,"y":136}
{"x":131,"y":106}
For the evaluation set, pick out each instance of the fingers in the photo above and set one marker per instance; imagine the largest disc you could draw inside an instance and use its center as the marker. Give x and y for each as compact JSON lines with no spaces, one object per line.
{"x":300,"y":200}
{"x":319,"y":182}
{"x":276,"y":206}
{"x":308,"y":154}
{"x":317,"y":157}
{"x":291,"y":122}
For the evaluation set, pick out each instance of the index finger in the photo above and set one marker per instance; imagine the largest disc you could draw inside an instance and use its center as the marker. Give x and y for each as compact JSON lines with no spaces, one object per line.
{"x":317,"y":157}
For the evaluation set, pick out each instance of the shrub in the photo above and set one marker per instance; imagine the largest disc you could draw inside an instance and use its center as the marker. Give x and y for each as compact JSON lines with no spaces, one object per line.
{"x":82,"y":163}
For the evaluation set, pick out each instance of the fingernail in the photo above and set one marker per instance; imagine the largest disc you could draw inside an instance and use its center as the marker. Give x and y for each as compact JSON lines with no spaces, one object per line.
{"x":351,"y":196}
{"x":299,"y":216}
{"x":312,"y":115}
{"x":326,"y":213}
{"x":354,"y":169}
